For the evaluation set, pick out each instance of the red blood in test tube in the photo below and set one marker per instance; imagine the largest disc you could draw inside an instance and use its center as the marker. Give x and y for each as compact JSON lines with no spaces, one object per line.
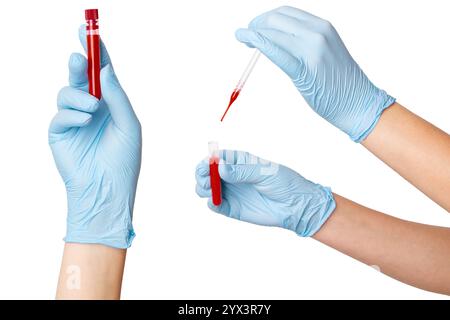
{"x":216,"y":187}
{"x":93,"y":52}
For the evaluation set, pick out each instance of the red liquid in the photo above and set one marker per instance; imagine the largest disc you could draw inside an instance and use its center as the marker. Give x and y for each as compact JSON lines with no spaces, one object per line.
{"x":93,"y":45}
{"x":216,"y":185}
{"x":233,"y":97}
{"x":93,"y":52}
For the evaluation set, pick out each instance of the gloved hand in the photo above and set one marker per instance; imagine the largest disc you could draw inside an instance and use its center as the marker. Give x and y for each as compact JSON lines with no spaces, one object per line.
{"x":97,"y":149}
{"x":265,"y":193}
{"x":309,"y":50}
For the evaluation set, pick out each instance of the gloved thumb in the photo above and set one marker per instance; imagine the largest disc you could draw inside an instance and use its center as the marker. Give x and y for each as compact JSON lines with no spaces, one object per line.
{"x":246,"y":36}
{"x":266,"y":42}
{"x":117,"y":101}
{"x":242,"y":167}
{"x":234,"y":173}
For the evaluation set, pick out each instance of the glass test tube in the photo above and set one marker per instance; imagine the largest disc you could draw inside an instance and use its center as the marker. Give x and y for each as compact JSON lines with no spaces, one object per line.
{"x":93,"y":52}
{"x":216,"y":184}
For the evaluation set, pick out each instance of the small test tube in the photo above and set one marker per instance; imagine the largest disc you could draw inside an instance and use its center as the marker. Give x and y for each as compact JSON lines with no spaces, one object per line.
{"x":93,"y":52}
{"x":216,"y":184}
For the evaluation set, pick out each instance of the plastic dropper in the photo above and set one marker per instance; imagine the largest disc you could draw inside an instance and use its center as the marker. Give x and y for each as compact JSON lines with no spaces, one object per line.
{"x":248,"y":70}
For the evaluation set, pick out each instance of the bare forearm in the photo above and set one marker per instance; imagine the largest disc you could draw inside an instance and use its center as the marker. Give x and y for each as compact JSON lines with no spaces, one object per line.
{"x":417,"y":150}
{"x":413,"y":253}
{"x":91,"y":271}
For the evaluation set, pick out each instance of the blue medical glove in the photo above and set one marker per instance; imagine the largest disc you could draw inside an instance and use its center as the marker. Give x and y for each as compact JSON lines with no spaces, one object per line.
{"x":264,"y":193}
{"x":97,"y":149}
{"x":309,"y":50}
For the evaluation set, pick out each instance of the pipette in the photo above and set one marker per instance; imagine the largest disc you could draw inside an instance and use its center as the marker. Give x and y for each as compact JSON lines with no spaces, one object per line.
{"x":93,"y":52}
{"x":244,"y":77}
{"x":216,"y":184}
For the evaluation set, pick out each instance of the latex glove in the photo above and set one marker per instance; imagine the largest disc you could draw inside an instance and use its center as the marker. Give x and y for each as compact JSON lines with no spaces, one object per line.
{"x":309,"y":50}
{"x":264,"y":193}
{"x":97,"y":149}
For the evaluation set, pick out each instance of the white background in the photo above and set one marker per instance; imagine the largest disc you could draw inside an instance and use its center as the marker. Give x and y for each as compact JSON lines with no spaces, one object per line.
{"x":179,"y":61}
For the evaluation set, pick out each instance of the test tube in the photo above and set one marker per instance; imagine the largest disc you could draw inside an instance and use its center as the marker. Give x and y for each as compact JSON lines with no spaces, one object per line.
{"x":93,"y":52}
{"x":216,"y":185}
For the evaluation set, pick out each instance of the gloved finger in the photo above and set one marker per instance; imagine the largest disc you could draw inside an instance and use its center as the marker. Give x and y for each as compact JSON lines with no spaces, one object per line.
{"x":202,"y":169}
{"x":66,"y":119}
{"x":202,"y":174}
{"x":78,"y":71}
{"x":297,"y":13}
{"x":203,"y":192}
{"x":104,"y":56}
{"x":289,"y":43}
{"x":204,"y":182}
{"x":224,"y":208}
{"x":287,"y":62}
{"x":122,"y":112}
{"x":241,"y":167}
{"x":71,"y":98}
{"x":277,"y":21}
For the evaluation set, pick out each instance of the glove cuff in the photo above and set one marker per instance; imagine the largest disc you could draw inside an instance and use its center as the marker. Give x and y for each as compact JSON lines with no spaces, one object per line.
{"x":120,"y":239}
{"x":320,"y":208}
{"x":367,"y":122}
{"x":107,"y":223}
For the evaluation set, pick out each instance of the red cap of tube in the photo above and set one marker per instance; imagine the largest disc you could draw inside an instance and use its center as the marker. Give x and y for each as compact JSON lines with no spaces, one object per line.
{"x":91,"y":14}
